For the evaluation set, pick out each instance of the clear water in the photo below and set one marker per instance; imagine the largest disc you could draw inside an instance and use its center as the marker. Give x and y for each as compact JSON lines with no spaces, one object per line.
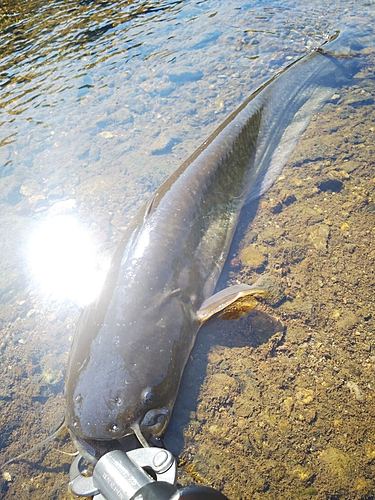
{"x":100,"y":102}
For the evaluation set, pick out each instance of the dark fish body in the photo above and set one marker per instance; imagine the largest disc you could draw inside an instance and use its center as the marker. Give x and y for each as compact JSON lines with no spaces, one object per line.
{"x":137,"y":337}
{"x":132,"y":343}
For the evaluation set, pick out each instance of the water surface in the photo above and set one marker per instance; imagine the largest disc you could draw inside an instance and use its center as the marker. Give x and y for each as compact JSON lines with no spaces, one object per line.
{"x":100,"y":102}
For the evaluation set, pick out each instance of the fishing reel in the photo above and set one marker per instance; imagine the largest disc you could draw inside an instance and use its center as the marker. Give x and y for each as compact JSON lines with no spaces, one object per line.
{"x":140,"y":474}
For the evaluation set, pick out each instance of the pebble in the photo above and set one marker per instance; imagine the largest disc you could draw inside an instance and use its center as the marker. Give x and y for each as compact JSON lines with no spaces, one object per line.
{"x":349,"y":166}
{"x":252,"y":257}
{"x":7,"y":477}
{"x":31,"y":313}
{"x":63,"y":206}
{"x":106,"y":134}
{"x":163,"y":145}
{"x":184,"y":76}
{"x":304,"y":396}
{"x":30,"y":188}
{"x":319,"y":237}
{"x":355,"y":390}
{"x":52,"y":318}
{"x":348,"y":321}
{"x":35,"y":198}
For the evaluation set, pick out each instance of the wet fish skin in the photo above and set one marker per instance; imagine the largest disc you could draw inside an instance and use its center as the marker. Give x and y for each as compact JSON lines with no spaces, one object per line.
{"x":137,"y":337}
{"x":132,"y":344}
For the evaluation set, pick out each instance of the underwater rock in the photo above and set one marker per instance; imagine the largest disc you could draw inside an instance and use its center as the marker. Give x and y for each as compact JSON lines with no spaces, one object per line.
{"x":251,"y":257}
{"x":319,"y":237}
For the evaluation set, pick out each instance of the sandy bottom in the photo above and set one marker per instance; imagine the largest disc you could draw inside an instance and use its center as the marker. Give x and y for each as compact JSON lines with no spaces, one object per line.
{"x":280,"y":403}
{"x":286,"y":403}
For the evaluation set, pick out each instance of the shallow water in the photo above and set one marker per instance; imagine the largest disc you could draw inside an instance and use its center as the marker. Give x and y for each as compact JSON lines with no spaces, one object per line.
{"x":100,"y":103}
{"x":280,"y":404}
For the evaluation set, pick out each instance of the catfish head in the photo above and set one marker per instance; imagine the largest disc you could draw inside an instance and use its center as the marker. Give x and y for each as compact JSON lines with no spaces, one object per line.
{"x":126,"y":364}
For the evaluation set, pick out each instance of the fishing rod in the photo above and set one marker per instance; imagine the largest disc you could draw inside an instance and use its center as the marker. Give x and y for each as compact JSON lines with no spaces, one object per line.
{"x":139,"y":474}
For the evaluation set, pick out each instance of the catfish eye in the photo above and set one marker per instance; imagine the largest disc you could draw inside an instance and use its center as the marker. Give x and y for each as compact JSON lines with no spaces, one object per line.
{"x":147,"y":397}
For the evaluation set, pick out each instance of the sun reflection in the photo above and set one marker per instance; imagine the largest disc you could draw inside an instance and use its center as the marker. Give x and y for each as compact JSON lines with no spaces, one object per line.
{"x":64,"y":260}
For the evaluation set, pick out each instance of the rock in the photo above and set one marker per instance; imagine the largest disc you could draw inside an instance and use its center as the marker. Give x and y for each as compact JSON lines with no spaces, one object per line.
{"x":349,"y":166}
{"x":339,"y":464}
{"x":348,"y":321}
{"x":7,"y":477}
{"x":184,"y":75}
{"x":164,"y":145}
{"x":30,"y":188}
{"x":304,"y":396}
{"x":302,"y":473}
{"x":319,"y":237}
{"x":31,"y":313}
{"x":275,"y":292}
{"x":355,"y":390}
{"x":330,"y":185}
{"x":106,"y":134}
{"x":52,"y":373}
{"x":251,"y":257}
{"x":62,"y":207}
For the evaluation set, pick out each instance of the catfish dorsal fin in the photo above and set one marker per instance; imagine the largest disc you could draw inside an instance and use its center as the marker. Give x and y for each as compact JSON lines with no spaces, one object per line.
{"x":232,"y":302}
{"x":60,"y":428}
{"x":150,"y":206}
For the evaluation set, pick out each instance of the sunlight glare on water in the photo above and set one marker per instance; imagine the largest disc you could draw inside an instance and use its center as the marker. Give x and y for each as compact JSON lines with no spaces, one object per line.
{"x":63,"y":259}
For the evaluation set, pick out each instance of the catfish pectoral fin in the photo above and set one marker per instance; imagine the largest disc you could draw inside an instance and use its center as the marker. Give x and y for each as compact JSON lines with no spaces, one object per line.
{"x":233,"y":302}
{"x":239,"y":308}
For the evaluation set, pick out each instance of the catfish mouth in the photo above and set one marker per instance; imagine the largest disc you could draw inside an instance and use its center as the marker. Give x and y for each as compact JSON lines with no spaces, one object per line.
{"x":153,"y":423}
{"x":91,"y":449}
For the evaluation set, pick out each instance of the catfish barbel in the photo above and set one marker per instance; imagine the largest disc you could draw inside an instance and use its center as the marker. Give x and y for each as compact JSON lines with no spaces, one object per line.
{"x":132,"y":343}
